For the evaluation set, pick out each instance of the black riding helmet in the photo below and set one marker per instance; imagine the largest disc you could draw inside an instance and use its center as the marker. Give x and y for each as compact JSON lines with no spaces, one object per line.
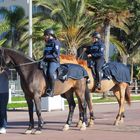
{"x":96,"y":35}
{"x":49,"y":32}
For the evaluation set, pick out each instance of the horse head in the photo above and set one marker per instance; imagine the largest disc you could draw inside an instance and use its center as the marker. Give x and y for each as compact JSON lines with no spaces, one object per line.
{"x":4,"y":59}
{"x":2,"y":62}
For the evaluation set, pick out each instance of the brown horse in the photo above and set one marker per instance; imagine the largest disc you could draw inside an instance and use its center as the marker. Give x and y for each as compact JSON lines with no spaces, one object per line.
{"x":120,"y":90}
{"x":34,"y":85}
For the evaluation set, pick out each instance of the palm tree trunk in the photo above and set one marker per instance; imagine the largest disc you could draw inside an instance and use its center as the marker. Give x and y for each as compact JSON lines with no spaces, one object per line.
{"x":124,"y":57}
{"x":13,"y":37}
{"x":132,"y":64}
{"x":107,"y":44}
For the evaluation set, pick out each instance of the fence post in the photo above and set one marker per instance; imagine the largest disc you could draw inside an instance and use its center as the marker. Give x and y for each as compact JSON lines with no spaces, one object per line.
{"x":10,"y":96}
{"x":136,"y":86}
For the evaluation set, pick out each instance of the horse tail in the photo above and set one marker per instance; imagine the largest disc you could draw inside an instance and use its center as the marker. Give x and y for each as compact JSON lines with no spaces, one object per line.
{"x":127,"y":95}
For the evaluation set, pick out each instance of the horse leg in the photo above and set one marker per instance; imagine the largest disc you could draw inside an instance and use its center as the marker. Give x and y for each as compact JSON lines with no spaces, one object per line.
{"x":120,"y":95}
{"x":37,"y":101}
{"x":30,"y":109}
{"x":83,"y":114}
{"x":79,"y":124}
{"x":80,"y":93}
{"x":88,"y":98}
{"x":72,"y":105}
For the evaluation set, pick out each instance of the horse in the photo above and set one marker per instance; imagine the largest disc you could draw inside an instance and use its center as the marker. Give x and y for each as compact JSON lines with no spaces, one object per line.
{"x":33,"y":84}
{"x":120,"y":89}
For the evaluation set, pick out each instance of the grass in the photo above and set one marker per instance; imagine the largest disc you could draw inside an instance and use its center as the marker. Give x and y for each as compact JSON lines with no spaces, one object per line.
{"x":17,"y":102}
{"x":95,"y":100}
{"x":18,"y":98}
{"x":113,"y":99}
{"x":110,"y":99}
{"x":135,"y":98}
{"x":16,"y":105}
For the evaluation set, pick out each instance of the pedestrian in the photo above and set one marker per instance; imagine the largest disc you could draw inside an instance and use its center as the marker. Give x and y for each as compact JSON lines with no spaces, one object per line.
{"x":4,"y":95}
{"x":51,"y":56}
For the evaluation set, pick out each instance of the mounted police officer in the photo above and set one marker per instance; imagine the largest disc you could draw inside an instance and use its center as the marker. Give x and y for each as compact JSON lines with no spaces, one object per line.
{"x":95,"y":53}
{"x":51,"y":56}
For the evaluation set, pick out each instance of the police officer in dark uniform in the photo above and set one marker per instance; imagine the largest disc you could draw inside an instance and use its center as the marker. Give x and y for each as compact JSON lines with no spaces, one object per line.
{"x":95,"y":52}
{"x":51,"y":56}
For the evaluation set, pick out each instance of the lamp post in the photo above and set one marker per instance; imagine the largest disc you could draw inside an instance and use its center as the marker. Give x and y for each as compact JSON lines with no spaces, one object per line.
{"x":30,"y":28}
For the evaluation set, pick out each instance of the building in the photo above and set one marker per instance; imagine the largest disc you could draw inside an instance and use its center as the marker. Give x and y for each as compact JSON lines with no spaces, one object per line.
{"x":11,"y":4}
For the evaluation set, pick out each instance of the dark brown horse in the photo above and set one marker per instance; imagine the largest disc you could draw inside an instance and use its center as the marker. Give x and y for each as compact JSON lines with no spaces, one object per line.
{"x":120,"y":90}
{"x":34,"y":85}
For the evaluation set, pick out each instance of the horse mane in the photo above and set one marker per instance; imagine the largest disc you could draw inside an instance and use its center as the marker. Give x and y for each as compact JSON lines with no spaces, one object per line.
{"x":71,"y":58}
{"x":82,"y":62}
{"x":67,"y":57}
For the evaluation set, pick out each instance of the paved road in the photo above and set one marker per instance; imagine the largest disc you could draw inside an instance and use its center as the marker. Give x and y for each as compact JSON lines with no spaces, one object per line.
{"x":55,"y":120}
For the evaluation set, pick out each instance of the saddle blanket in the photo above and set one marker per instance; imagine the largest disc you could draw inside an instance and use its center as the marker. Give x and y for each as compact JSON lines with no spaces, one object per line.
{"x":73,"y":71}
{"x":118,"y":71}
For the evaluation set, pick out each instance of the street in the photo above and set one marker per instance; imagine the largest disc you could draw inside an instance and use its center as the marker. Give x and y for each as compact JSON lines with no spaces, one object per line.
{"x":103,"y":128}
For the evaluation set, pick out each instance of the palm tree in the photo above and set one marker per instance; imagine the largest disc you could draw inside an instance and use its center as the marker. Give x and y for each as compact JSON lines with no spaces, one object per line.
{"x":76,"y":23}
{"x":3,"y":27}
{"x":16,"y":30}
{"x":13,"y":17}
{"x":111,"y":13}
{"x":130,"y":38}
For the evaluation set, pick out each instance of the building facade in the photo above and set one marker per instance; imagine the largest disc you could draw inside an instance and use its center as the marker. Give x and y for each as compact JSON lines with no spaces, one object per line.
{"x":10,"y":4}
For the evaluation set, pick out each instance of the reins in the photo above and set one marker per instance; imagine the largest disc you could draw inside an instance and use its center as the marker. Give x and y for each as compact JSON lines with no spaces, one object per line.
{"x":29,"y":63}
{"x":81,"y":55}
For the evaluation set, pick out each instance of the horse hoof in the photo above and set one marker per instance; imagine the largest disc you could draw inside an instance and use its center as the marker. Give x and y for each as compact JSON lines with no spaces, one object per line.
{"x":90,"y":123}
{"x":83,"y":127}
{"x":66,"y":127}
{"x":37,"y":132}
{"x":116,"y":123}
{"x":79,"y":124}
{"x":28,"y":131}
{"x":122,"y":121}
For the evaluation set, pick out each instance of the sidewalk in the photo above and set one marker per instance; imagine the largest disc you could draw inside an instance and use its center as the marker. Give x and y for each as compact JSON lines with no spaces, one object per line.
{"x":55,"y":120}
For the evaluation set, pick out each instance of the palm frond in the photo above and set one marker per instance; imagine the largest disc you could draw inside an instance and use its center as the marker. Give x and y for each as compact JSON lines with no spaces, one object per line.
{"x":120,"y":47}
{"x":2,"y":41}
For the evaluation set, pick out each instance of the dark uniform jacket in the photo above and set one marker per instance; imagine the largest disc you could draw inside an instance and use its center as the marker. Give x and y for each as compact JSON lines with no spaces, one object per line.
{"x":52,"y":51}
{"x":96,"y":50}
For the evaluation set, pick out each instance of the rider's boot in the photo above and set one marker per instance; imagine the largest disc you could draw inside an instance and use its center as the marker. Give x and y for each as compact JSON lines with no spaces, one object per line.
{"x":99,"y":77}
{"x":50,"y":90}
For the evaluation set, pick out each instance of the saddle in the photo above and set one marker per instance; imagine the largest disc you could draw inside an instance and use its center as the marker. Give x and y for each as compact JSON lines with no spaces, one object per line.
{"x":104,"y":74}
{"x":66,"y":71}
{"x":62,"y":72}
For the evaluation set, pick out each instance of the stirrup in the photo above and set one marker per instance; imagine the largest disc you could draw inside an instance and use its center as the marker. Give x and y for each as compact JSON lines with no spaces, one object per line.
{"x":48,"y":93}
{"x":98,"y":86}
